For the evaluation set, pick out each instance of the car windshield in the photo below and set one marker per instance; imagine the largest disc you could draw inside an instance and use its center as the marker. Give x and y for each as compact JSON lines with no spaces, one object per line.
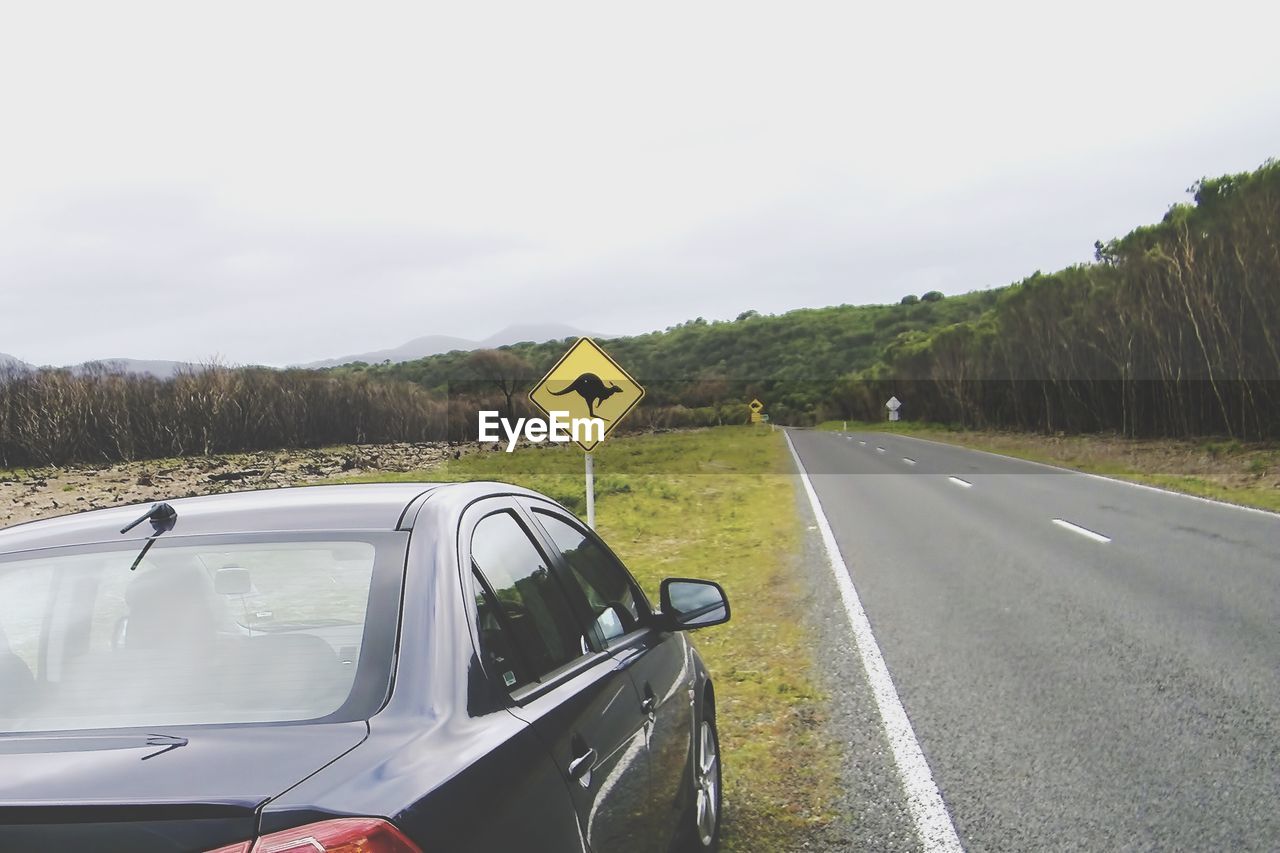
{"x":206,"y":630}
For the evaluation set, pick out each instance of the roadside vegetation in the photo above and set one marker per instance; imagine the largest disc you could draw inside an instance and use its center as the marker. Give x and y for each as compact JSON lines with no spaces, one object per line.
{"x":1172,"y":332}
{"x":1222,"y":469}
{"x":716,"y":504}
{"x":97,"y":415}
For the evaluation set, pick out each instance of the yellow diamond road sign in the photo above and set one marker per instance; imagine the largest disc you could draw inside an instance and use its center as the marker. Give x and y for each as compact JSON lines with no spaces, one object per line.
{"x":756,"y":405}
{"x":587,"y":383}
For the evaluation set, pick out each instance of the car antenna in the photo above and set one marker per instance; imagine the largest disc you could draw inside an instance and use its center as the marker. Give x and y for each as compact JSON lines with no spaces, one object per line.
{"x":162,"y":516}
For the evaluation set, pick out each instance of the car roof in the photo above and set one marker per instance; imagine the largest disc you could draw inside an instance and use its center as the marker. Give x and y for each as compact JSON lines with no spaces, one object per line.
{"x":371,"y":506}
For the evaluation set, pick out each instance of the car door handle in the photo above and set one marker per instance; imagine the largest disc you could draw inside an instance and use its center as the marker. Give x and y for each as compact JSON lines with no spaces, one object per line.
{"x":582,"y":765}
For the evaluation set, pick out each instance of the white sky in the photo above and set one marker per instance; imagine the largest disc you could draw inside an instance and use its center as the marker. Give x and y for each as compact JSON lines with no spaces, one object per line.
{"x":282,"y":182}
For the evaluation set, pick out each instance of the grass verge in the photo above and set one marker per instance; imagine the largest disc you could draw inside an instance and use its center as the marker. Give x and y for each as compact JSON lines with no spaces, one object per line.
{"x":1221,"y":469}
{"x":716,"y":504}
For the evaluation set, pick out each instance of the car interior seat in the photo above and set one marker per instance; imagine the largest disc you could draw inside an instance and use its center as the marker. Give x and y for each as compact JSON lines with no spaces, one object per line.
{"x":170,"y":607}
{"x":297,"y":671}
{"x":16,"y":681}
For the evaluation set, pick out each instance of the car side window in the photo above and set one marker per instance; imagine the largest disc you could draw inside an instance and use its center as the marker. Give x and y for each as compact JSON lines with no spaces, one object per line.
{"x":605,"y":582}
{"x":527,"y":628}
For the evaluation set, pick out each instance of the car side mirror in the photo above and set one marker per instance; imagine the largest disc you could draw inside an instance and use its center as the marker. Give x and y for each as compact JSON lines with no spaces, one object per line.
{"x":689,"y":603}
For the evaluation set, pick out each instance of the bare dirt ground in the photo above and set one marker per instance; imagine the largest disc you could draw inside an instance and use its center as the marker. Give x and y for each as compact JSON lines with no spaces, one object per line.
{"x":34,"y":493}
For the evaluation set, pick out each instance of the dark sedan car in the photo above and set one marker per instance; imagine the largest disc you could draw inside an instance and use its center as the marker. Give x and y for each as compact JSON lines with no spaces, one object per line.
{"x":456,"y":667}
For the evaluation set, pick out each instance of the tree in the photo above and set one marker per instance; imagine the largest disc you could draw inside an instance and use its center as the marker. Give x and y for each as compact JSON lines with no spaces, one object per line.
{"x":503,"y":369}
{"x":932,"y":296}
{"x":909,"y":299}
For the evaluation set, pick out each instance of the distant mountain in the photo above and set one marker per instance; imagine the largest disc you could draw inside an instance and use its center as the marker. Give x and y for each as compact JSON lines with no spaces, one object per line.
{"x":411,"y":351}
{"x":437,"y":344}
{"x":7,"y":361}
{"x":158,"y":368}
{"x":139,"y":366}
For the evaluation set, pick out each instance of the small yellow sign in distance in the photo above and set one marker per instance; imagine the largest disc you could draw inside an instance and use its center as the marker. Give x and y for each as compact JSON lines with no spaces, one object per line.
{"x":756,"y":417}
{"x":587,"y":383}
{"x":756,"y":405}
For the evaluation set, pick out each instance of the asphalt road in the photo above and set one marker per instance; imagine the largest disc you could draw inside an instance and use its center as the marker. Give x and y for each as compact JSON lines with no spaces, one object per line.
{"x":1067,"y":693}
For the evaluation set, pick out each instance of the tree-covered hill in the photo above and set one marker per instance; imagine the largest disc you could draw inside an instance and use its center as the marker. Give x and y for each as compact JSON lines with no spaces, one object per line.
{"x":791,"y":359}
{"x":1173,"y":330}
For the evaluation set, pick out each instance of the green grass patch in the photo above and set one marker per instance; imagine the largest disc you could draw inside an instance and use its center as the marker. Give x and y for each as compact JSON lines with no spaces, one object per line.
{"x":717,"y":504}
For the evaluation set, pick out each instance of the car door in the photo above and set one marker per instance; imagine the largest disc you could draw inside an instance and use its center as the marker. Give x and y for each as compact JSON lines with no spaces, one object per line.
{"x":658,"y":661}
{"x":574,"y":695}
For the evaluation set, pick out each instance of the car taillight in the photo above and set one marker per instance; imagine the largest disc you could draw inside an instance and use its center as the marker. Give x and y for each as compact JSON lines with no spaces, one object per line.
{"x":344,"y":835}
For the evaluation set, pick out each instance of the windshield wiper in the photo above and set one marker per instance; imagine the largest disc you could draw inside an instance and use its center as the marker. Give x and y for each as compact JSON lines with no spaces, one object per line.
{"x":162,"y":517}
{"x":37,"y":744}
{"x":168,"y":742}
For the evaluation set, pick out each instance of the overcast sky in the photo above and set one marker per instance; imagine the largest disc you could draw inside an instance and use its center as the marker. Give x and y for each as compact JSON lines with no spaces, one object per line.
{"x":276,"y":182}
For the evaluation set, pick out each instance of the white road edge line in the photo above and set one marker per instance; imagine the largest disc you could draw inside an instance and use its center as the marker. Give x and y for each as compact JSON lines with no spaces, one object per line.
{"x":962,"y":483}
{"x":908,"y":461}
{"x":1083,"y":531}
{"x":933,"y":823}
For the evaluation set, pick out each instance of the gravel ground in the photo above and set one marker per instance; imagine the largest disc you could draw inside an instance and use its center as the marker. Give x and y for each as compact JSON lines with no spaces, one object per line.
{"x":43,"y":492}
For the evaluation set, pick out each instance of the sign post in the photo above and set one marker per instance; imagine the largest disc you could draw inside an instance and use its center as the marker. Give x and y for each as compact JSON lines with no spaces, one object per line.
{"x":591,"y":490}
{"x":757,"y":411}
{"x":586,"y":384}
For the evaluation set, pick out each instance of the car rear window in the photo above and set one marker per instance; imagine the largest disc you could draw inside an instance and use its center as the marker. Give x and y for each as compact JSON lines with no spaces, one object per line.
{"x":206,"y":630}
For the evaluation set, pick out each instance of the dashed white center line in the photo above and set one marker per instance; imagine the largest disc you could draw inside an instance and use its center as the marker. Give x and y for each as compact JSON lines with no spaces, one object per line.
{"x":964,"y":484}
{"x":1083,"y":531}
{"x":863,"y":443}
{"x":880,"y":450}
{"x":908,"y":461}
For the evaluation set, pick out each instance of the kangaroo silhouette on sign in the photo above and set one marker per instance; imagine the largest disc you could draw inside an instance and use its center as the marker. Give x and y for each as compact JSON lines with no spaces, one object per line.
{"x":592,"y":389}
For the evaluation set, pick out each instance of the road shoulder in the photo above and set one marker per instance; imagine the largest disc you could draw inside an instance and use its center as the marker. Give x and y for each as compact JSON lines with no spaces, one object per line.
{"x":872,"y":807}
